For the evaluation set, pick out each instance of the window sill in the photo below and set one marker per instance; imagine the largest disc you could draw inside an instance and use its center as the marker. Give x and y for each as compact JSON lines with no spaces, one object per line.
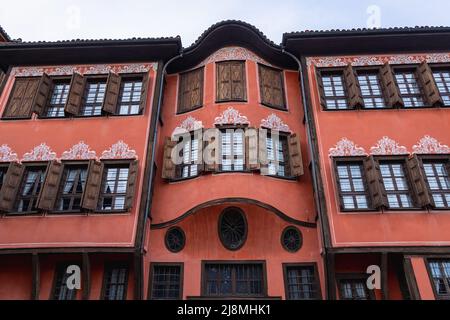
{"x":184,"y":179}
{"x":280,"y":177}
{"x":231,"y":101}
{"x":190,"y":110}
{"x":283,"y":108}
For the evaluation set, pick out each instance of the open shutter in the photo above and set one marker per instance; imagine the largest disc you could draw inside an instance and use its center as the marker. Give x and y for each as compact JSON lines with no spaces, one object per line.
{"x":21,"y":98}
{"x":419,"y":183}
{"x":168,"y":171}
{"x":11,"y":185}
{"x":93,"y":185}
{"x":251,"y":149}
{"x":389,"y":86}
{"x":197,"y":88}
{"x":295,"y":155}
{"x":131,"y":185}
{"x":144,"y":93}
{"x":375,"y":183}
{"x":223,"y":81}
{"x":430,"y":89}
{"x":111,"y":93}
{"x":321,"y":89}
{"x":262,"y":151}
{"x":353,"y":89}
{"x":191,"y":90}
{"x":41,"y":97}
{"x":238,"y":84}
{"x":212,"y":139}
{"x":75,"y":96}
{"x":198,"y":135}
{"x":271,"y":86}
{"x":49,"y":192}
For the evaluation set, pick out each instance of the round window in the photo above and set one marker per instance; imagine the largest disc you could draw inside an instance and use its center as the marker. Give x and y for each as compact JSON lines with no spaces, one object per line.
{"x":175,"y":239}
{"x":232,"y":228}
{"x":291,"y":239}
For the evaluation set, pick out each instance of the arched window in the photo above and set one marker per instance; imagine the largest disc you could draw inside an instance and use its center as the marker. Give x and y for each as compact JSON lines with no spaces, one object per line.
{"x":232,"y":228}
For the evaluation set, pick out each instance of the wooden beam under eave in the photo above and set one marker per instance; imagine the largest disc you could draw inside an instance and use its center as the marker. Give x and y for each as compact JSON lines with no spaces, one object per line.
{"x":331,"y":276}
{"x":384,"y":276}
{"x":86,"y":276}
{"x":36,"y":276}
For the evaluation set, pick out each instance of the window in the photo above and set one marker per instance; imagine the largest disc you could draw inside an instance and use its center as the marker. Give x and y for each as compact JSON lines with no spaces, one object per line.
{"x":396,"y":185}
{"x":190,"y":155}
{"x":166,"y":281}
{"x":334,"y":90}
{"x":232,"y":150}
{"x":352,"y":186}
{"x":175,"y":239}
{"x":60,"y":289}
{"x":115,"y":283}
{"x":291,"y":239}
{"x":278,"y":155}
{"x":438,"y":181}
{"x":32,"y":182}
{"x":130,"y":96}
{"x":440,"y":275}
{"x":3,"y":171}
{"x":231,"y":84}
{"x":232,"y":228}
{"x":354,"y":289}
{"x":93,"y":97}
{"x":58,"y":98}
{"x":190,"y":92}
{"x":442,"y":78}
{"x":271,"y":86}
{"x":114,"y":187}
{"x":72,"y":187}
{"x":234,"y":279}
{"x":301,"y":282}
{"x":371,"y":90}
{"x":409,"y":89}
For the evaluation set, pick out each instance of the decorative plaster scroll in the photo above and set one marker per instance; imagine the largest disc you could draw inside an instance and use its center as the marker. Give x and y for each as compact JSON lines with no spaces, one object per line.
{"x":6,"y":154}
{"x":233,"y":53}
{"x":273,"y":122}
{"x":231,"y":116}
{"x":429,"y":145}
{"x":41,"y":152}
{"x":388,"y":146}
{"x":337,"y":61}
{"x":346,"y":147}
{"x":79,"y":151}
{"x":86,"y":69}
{"x":188,"y":125}
{"x":119,"y":150}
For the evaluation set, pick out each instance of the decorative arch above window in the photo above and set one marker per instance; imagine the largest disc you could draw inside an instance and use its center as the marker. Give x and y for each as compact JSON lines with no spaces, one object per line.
{"x":430,"y":145}
{"x":232,"y":228}
{"x":7,"y":154}
{"x":273,"y":122}
{"x":388,"y":146}
{"x":231,"y":116}
{"x":346,"y":147}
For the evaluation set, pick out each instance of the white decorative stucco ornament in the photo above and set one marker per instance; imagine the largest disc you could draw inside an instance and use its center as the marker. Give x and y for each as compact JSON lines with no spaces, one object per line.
{"x":119,"y":150}
{"x":346,"y":147}
{"x":41,"y":152}
{"x":231,"y":116}
{"x":232,"y":53}
{"x":429,"y":145}
{"x":274,"y":122}
{"x":79,"y":151}
{"x":6,"y":154}
{"x":189,"y":124}
{"x":388,"y":146}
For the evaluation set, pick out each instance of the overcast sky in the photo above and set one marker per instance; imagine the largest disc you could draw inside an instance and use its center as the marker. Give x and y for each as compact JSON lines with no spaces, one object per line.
{"x":93,"y":19}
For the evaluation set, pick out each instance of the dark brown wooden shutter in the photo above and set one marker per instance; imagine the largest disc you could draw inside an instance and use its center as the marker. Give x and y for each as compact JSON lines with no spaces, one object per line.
{"x":375,"y":183}
{"x":231,"y":84}
{"x":198,"y":135}
{"x":93,"y":185}
{"x":42,"y":94}
{"x":251,"y":149}
{"x":223,"y":81}
{"x":190,"y":94}
{"x":418,"y":182}
{"x":111,"y":93}
{"x":168,"y":171}
{"x":295,"y":155}
{"x":75,"y":96}
{"x":210,"y":137}
{"x":11,"y":186}
{"x":321,"y":89}
{"x":262,"y":151}
{"x":238,"y":84}
{"x":355,"y":98}
{"x":21,"y":98}
{"x":271,"y":87}
{"x":49,"y":192}
{"x":389,"y":86}
{"x":430,"y":89}
{"x":144,"y":93}
{"x":131,"y":185}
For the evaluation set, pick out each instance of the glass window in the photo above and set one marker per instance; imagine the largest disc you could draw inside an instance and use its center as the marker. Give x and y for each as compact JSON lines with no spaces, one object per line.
{"x":396,"y":185}
{"x":93,"y":98}
{"x":60,"y":289}
{"x":371,"y":90}
{"x":440,"y":274}
{"x":116,"y":282}
{"x":72,"y":187}
{"x":166,"y":282}
{"x":58,"y":99}
{"x":114,"y":189}
{"x":130,"y":96}
{"x":277,"y":155}
{"x":409,"y":89}
{"x":3,"y":171}
{"x":335,"y":94}
{"x":438,"y":182}
{"x":189,"y":153}
{"x":32,"y":182}
{"x":442,"y":79}
{"x":354,"y":289}
{"x":301,"y":283}
{"x":232,"y":150}
{"x":352,"y":186}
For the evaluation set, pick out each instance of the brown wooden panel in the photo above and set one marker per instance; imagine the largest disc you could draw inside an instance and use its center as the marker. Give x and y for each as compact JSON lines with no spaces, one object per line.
{"x":75,"y":96}
{"x":251,"y":149}
{"x":111,"y":93}
{"x":238,"y":83}
{"x":353,"y":88}
{"x":49,"y":192}
{"x":271,"y":87}
{"x":223,"y":81}
{"x":93,"y":185}
{"x":321,"y":89}
{"x":419,"y":184}
{"x":212,"y":136}
{"x":262,"y":151}
{"x":430,"y":89}
{"x":295,"y":155}
{"x":144,"y":93}
{"x":42,"y":94}
{"x":389,"y":86}
{"x":131,"y":186}
{"x":168,"y":170}
{"x":375,"y":183}
{"x":198,"y":135}
{"x":190,"y":94}
{"x":11,"y":186}
{"x":21,"y":98}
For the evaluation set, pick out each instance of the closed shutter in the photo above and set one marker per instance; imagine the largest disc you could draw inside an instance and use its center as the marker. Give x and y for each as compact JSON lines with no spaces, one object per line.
{"x":238,"y":84}
{"x":144,"y":93}
{"x":75,"y":96}
{"x":42,"y":94}
{"x":271,"y":87}
{"x":191,"y":90}
{"x":389,"y":86}
{"x":11,"y":186}
{"x":262,"y":151}
{"x":223,"y":81}
{"x":49,"y":192}
{"x":231,"y":84}
{"x":419,"y":184}
{"x":321,"y":89}
{"x":295,"y":155}
{"x":251,"y":149}
{"x":213,"y":143}
{"x":375,"y":183}
{"x":21,"y":98}
{"x":353,"y":89}
{"x":430,"y":89}
{"x":131,"y":185}
{"x":111,"y":93}
{"x":93,"y":185}
{"x":198,"y":135}
{"x":168,"y":171}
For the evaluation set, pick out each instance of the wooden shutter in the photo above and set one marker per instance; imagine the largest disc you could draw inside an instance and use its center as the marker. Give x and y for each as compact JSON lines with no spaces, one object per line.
{"x":21,"y":98}
{"x":212,"y":136}
{"x":168,"y":171}
{"x":321,"y":89}
{"x":198,"y":135}
{"x":75,"y":96}
{"x":49,"y":192}
{"x":419,"y":184}
{"x":251,"y":149}
{"x":295,"y":155}
{"x":42,"y":94}
{"x":389,"y":86}
{"x":355,"y":98}
{"x":191,"y":90}
{"x":238,"y":84}
{"x":111,"y":93}
{"x":223,"y":81}
{"x":230,"y":82}
{"x":375,"y":183}
{"x":131,"y":185}
{"x":262,"y":151}
{"x":11,"y":185}
{"x":144,"y":93}
{"x":271,"y":87}
{"x":430,"y":89}
{"x":93,"y":185}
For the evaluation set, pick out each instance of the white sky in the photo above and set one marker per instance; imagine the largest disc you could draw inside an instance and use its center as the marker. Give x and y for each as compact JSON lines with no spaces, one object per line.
{"x":93,"y":19}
